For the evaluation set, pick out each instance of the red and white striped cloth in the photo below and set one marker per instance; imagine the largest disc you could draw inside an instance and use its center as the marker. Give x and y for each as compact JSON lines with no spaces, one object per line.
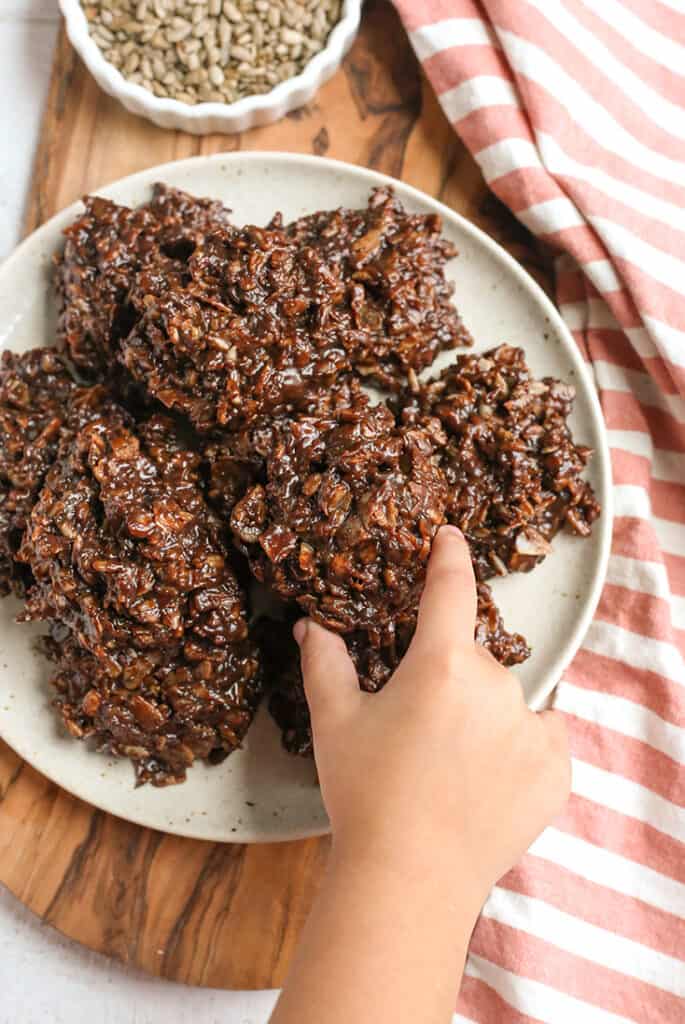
{"x":575,"y":112}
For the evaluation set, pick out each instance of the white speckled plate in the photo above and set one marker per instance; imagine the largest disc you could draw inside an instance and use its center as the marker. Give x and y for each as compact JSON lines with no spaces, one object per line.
{"x":260,"y":793}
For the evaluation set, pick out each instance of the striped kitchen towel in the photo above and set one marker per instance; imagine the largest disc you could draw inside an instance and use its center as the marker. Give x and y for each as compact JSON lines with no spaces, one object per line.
{"x":575,"y":112}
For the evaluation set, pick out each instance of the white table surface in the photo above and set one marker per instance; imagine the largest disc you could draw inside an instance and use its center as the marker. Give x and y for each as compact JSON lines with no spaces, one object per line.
{"x":44,"y":978}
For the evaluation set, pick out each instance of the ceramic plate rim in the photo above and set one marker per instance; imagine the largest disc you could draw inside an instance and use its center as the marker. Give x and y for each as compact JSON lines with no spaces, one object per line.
{"x":498,"y":253}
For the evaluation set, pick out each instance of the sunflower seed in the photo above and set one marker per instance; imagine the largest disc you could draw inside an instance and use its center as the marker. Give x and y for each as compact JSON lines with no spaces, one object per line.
{"x":290,"y":37}
{"x":216,"y":75}
{"x":232,"y":12}
{"x":240,"y":53}
{"x":132,"y":62}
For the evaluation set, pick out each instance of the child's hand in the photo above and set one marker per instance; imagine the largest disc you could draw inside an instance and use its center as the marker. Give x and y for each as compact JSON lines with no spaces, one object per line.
{"x":446,"y":766}
{"x":434,"y":787}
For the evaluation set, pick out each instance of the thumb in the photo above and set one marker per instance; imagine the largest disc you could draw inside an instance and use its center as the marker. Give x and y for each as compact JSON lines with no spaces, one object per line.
{"x":330,"y":678}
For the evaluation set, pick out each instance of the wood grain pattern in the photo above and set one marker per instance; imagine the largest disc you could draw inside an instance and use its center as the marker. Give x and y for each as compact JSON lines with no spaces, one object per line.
{"x":207,"y":914}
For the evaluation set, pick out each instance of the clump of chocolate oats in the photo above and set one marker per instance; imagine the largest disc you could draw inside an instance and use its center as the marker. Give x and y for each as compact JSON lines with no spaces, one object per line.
{"x":246,"y":336}
{"x":513,"y":468}
{"x":396,"y":313}
{"x":344,"y":519}
{"x":130,"y":568}
{"x":235,"y":460}
{"x":105,"y":248}
{"x":40,"y":404}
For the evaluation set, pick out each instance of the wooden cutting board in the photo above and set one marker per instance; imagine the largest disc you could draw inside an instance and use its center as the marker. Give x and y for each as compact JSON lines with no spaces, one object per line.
{"x":203,"y":913}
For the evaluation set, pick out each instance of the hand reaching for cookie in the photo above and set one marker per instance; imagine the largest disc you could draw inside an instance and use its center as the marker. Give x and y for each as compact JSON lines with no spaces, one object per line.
{"x":435,"y":787}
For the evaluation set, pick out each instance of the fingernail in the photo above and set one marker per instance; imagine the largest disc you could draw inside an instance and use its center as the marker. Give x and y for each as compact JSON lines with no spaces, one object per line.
{"x":300,"y":630}
{"x":450,"y":529}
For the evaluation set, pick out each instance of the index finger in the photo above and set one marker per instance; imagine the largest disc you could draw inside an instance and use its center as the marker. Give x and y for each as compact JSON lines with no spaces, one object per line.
{"x":447,"y":612}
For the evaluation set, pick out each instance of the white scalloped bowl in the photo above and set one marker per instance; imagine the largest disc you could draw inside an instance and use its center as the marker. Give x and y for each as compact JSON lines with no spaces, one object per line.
{"x":203,"y":118}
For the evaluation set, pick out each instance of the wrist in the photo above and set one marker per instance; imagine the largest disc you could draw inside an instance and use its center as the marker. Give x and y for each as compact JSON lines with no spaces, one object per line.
{"x":438,"y":874}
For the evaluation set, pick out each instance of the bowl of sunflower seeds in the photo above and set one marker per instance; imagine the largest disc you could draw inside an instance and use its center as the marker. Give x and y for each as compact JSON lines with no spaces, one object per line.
{"x":211,"y":65}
